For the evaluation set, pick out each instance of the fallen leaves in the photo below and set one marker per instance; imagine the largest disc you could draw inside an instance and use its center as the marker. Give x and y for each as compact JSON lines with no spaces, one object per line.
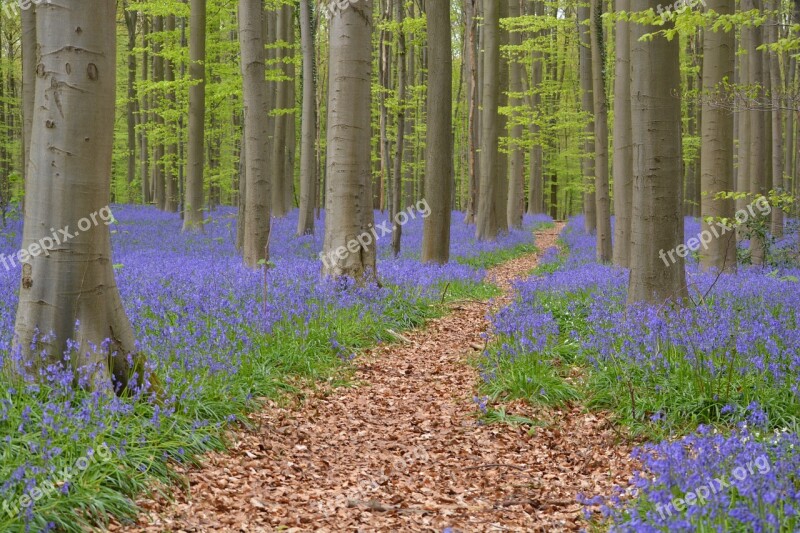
{"x":403,"y":451}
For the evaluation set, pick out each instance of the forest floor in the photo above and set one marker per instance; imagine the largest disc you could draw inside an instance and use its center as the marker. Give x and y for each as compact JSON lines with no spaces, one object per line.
{"x":404,"y":449}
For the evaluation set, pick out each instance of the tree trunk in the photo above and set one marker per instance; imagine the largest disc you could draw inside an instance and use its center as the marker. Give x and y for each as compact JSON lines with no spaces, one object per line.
{"x":159,"y":190}
{"x":144,"y":117}
{"x":587,"y":104}
{"x":536,"y":186}
{"x":130,"y":24}
{"x":486,"y":227}
{"x":757,"y":141}
{"x":776,"y":85}
{"x":29,"y":61}
{"x":278,"y":171}
{"x":623,"y":155}
{"x":439,"y":163}
{"x":657,"y":224}
{"x":308,"y":153}
{"x":516,"y":185}
{"x":73,"y":282}
{"x":602,"y":201}
{"x":716,"y":148}
{"x":385,"y":75}
{"x":501,"y":168}
{"x":349,"y":179}
{"x":171,"y":162}
{"x":470,"y":11}
{"x":397,"y":184}
{"x":193,"y":211}
{"x":254,"y":142}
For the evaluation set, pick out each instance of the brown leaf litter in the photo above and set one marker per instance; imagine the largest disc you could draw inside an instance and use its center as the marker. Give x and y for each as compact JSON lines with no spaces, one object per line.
{"x":403,"y":450}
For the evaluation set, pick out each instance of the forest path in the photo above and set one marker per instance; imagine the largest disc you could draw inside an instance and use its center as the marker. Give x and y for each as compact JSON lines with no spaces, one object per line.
{"x":403,"y":450}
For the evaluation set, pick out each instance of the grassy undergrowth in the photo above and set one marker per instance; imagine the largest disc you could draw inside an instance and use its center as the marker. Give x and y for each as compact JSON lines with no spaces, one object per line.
{"x":144,"y":438}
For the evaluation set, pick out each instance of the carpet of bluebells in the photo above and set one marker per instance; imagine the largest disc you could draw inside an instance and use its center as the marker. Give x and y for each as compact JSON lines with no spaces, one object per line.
{"x":219,"y":338}
{"x":713,"y":385}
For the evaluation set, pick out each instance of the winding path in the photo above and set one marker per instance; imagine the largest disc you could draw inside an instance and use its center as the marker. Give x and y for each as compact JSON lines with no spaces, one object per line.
{"x":403,"y":451}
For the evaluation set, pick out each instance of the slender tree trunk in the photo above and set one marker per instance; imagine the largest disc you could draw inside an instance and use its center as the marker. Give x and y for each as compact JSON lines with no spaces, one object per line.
{"x":602,"y":200}
{"x":776,"y":85}
{"x":716,"y":148}
{"x":657,"y":224}
{"x":501,"y":168}
{"x":516,"y":185}
{"x":193,"y":212}
{"x":291,"y":117}
{"x":536,"y":186}
{"x":144,"y":117}
{"x":130,"y":24}
{"x":486,"y":227}
{"x":439,"y":163}
{"x":397,"y":188}
{"x":757,"y":141}
{"x":254,"y":141}
{"x":470,"y":10}
{"x":623,"y":142}
{"x":159,"y":189}
{"x":308,"y":154}
{"x":385,"y":75}
{"x":587,"y":104}
{"x":171,"y":162}
{"x":349,"y":182}
{"x":73,"y":283}
{"x":278,"y":171}
{"x":242,"y":200}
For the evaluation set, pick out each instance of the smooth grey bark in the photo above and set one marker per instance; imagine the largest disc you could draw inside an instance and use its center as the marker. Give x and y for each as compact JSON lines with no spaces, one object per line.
{"x":757,"y":120}
{"x":501,"y":168}
{"x":776,"y":85}
{"x":291,"y":118}
{"x":171,"y":198}
{"x":515,"y":202}
{"x":601,"y":187}
{"x":278,"y":159}
{"x":439,"y":162}
{"x":470,"y":11}
{"x":716,"y":148}
{"x":536,"y":185}
{"x":193,"y":201}
{"x":399,"y":156}
{"x":348,"y":197}
{"x":657,"y":224}
{"x":587,"y":105}
{"x":384,"y":195}
{"x":69,"y":182}
{"x":29,"y":60}
{"x":308,"y":127}
{"x":623,"y":141}
{"x":486,"y":223}
{"x":254,"y":142}
{"x":159,"y":189}
{"x":144,"y":117}
{"x":131,"y":18}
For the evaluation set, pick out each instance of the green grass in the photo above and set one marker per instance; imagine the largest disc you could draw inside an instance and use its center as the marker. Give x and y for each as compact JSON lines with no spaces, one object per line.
{"x":486,"y":260}
{"x":281,"y":365}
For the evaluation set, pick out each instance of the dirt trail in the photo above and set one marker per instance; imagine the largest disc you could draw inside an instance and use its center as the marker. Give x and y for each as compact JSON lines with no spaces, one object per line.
{"x":403,"y":451}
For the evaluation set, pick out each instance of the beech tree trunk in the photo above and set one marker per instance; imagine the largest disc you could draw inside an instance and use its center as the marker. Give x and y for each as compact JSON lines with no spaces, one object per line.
{"x":278,"y":163}
{"x":130,"y":24}
{"x":501,"y":169}
{"x":602,"y":200}
{"x":486,"y":225}
{"x":657,"y":224}
{"x":69,"y":183}
{"x":399,"y":156}
{"x":716,"y":148}
{"x":159,"y":188}
{"x":587,"y":104}
{"x":623,"y":142}
{"x":144,"y":117}
{"x":308,"y":153}
{"x":776,"y":134}
{"x":470,"y":11}
{"x":349,"y":177}
{"x":515,"y":207}
{"x":536,"y":186}
{"x":171,"y":198}
{"x":254,"y":143}
{"x":193,"y":202}
{"x":439,"y":163}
